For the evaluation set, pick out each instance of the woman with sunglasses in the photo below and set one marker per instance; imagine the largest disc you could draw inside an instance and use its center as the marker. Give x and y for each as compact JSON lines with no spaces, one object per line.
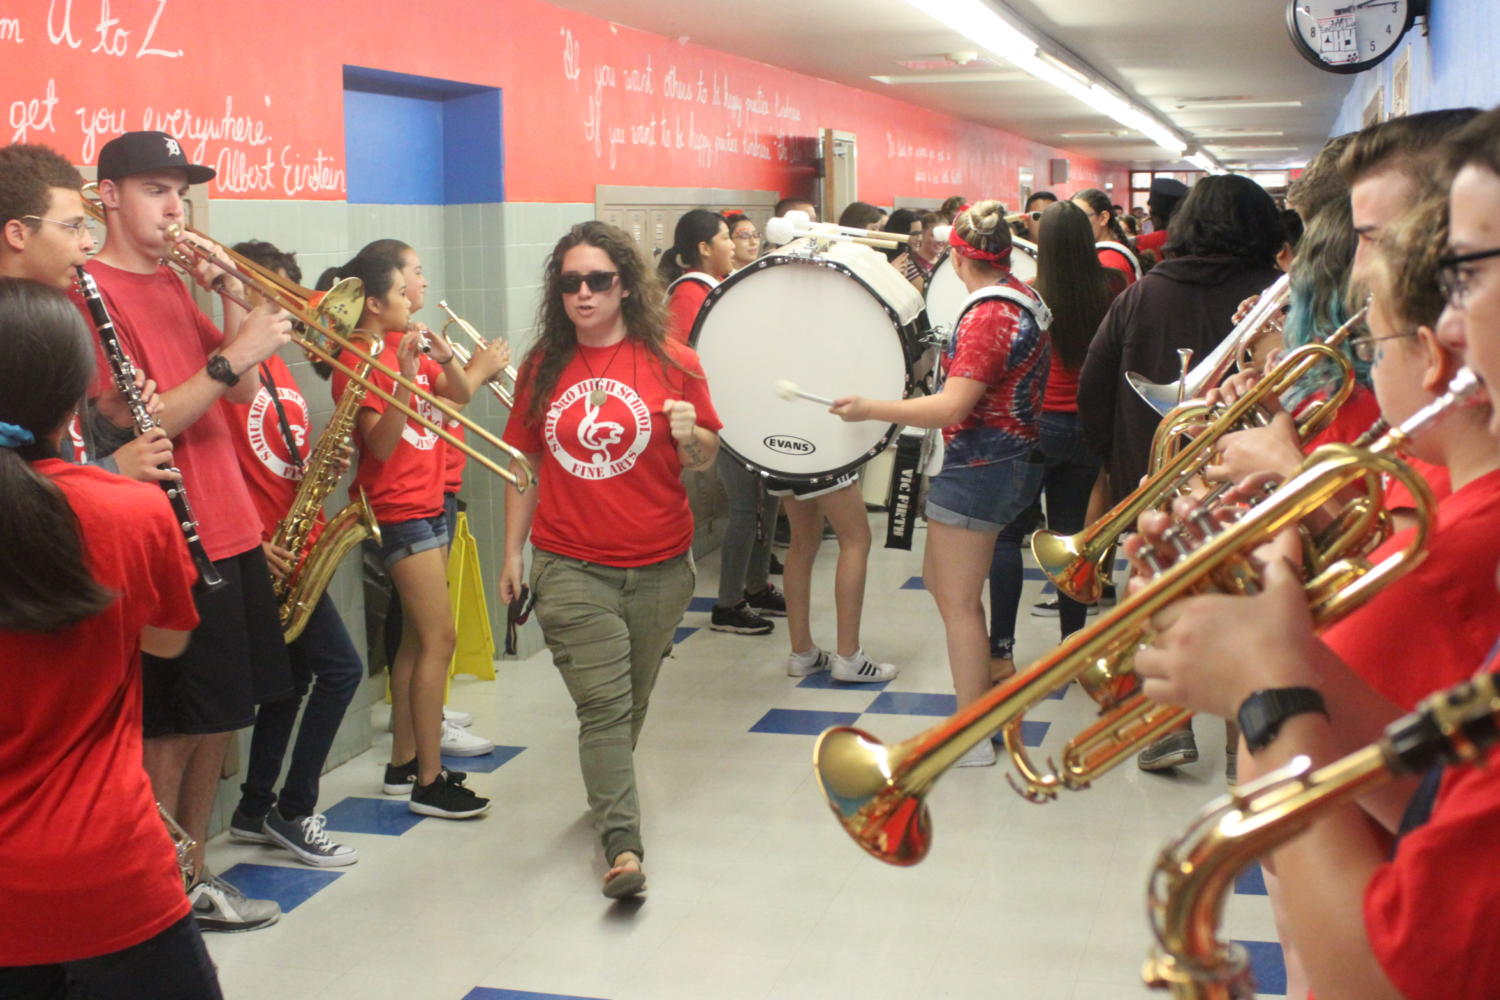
{"x":610,"y":411}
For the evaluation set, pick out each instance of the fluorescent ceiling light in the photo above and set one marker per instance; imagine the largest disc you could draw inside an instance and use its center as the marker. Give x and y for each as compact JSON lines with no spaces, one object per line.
{"x":991,"y":76}
{"x":1205,"y":162}
{"x":1230,"y":102}
{"x":981,"y":24}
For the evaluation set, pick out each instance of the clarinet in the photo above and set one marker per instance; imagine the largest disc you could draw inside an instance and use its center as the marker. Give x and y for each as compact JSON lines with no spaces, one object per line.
{"x":124,"y":371}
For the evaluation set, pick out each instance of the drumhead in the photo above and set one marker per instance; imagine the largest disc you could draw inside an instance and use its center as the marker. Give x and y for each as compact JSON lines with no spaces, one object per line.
{"x":814,"y":322}
{"x":946,"y":293}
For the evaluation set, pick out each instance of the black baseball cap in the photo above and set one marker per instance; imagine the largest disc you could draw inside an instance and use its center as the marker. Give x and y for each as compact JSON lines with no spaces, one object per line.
{"x":143,"y":152}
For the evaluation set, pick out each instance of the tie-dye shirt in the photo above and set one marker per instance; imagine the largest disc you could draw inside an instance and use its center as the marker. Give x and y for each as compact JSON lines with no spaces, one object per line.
{"x":998,"y":343}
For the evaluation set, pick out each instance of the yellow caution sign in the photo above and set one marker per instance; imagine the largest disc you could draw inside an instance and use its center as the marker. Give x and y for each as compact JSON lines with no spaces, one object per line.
{"x":475,"y":652}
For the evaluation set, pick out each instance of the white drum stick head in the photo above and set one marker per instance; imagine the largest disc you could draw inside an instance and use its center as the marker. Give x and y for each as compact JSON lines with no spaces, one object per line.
{"x":780,"y":231}
{"x":941,"y":234}
{"x":786,"y":389}
{"x":797,"y":217}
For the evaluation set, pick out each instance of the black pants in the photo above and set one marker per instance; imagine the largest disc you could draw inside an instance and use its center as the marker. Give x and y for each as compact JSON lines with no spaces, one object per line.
{"x":173,"y":965}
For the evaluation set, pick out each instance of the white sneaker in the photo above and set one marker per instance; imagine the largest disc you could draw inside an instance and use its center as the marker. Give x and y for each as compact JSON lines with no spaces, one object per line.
{"x":459,"y":742}
{"x":219,"y":906}
{"x":814,"y":661}
{"x":860,"y":669}
{"x":981,"y":754}
{"x":456,"y":717}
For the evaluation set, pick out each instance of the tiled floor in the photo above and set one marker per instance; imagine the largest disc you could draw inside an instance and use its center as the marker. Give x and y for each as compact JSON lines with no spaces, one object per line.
{"x":754,"y":891}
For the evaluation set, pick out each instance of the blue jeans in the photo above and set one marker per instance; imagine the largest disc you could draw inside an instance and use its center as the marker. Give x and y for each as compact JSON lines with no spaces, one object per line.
{"x":394,"y":621}
{"x":173,"y":965}
{"x":1069,"y":479}
{"x":323,"y":657}
{"x":983,"y":497}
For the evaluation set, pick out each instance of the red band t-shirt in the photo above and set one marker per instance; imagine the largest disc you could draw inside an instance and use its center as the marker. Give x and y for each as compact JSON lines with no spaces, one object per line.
{"x":409,"y":484}
{"x":86,"y":865}
{"x":453,"y":464}
{"x":169,"y":339}
{"x":1110,"y":257}
{"x":259,"y":443}
{"x":1431,"y":911}
{"x":1427,"y":629}
{"x":684,"y":302}
{"x":610,"y":479}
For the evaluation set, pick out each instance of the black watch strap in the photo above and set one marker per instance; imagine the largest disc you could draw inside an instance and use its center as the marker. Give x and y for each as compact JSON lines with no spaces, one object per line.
{"x":220,"y":370}
{"x":1262,"y":715}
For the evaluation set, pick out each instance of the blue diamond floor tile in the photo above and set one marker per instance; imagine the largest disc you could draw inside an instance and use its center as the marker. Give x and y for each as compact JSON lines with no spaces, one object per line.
{"x":702,"y":603}
{"x":915,"y":583}
{"x":290,"y":887}
{"x":912,"y":703}
{"x":488,"y":993}
{"x":386,"y":817}
{"x":801,"y":722}
{"x":1032,"y":733}
{"x":484,"y":763}
{"x":824,"y":680}
{"x":1268,"y":965}
{"x":682,"y":633}
{"x":1251,"y":882}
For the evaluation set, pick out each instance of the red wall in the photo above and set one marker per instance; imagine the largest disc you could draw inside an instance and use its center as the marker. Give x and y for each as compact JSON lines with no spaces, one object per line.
{"x":255,"y":89}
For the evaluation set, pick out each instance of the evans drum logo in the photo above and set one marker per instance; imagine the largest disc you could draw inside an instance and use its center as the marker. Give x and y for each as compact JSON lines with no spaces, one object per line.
{"x":785,"y":444}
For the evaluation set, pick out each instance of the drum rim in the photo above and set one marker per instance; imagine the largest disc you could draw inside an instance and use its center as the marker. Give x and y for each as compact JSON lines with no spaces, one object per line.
{"x":902,"y":331}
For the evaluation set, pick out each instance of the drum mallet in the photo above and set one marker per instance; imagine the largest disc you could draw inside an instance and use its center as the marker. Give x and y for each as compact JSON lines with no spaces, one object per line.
{"x":789,"y":391}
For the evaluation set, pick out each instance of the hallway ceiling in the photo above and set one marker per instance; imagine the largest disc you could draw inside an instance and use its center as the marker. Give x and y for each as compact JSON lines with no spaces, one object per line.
{"x":1203,"y":67}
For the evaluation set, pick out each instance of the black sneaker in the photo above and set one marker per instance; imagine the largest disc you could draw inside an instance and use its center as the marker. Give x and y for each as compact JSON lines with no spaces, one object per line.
{"x":1107,"y":595}
{"x":768,"y":603}
{"x":739,"y":619}
{"x":1052,"y":608}
{"x":447,"y":798}
{"x":1169,"y":751}
{"x":306,"y":839}
{"x":247,"y":829}
{"x":777,"y":568}
{"x":400,"y":777}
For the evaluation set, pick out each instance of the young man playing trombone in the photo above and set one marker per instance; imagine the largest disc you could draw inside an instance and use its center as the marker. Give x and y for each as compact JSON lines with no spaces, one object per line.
{"x":236,"y":657}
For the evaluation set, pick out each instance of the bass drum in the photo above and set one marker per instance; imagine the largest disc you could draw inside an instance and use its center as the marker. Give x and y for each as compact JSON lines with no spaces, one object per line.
{"x":946,"y":293}
{"x":837,"y":322}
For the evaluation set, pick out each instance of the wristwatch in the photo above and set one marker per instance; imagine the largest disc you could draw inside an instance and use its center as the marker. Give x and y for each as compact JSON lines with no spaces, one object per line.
{"x":1262,"y":715}
{"x":220,"y":370}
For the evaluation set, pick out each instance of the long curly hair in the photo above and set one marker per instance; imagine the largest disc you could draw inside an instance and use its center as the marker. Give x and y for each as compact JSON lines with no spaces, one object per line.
{"x":644,"y":310}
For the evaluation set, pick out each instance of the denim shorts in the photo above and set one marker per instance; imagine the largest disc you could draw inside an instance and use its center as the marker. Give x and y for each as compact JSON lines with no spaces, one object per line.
{"x":984,"y":497}
{"x":399,"y":539}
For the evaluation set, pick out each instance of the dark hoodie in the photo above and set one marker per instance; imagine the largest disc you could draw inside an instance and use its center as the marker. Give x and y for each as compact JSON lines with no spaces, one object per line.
{"x":1182,"y":302}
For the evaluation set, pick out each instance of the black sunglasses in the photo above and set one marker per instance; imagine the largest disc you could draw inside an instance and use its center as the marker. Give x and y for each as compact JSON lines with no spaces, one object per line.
{"x":598,"y":281}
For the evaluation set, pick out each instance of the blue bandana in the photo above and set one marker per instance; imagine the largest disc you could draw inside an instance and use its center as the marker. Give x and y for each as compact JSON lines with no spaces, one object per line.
{"x":14,"y":436}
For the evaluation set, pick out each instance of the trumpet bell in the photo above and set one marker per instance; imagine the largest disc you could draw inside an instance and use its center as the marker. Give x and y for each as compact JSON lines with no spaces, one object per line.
{"x":1161,"y":396}
{"x":856,"y":772}
{"x":1070,"y":568}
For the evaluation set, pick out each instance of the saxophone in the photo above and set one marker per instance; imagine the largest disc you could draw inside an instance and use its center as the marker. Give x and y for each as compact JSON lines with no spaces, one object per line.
{"x":313,"y":565}
{"x":1196,"y":872}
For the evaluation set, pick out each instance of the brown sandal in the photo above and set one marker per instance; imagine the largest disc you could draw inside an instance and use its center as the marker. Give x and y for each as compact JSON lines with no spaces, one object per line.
{"x":625,"y":878}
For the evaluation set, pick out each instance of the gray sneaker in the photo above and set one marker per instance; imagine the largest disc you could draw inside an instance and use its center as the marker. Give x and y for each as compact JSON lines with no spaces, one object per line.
{"x":1169,"y":751}
{"x":219,"y":906}
{"x":248,"y":829}
{"x":306,"y":839}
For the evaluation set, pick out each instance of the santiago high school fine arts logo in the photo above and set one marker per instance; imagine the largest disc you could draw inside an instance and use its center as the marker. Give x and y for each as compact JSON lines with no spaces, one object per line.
{"x":610,"y":427}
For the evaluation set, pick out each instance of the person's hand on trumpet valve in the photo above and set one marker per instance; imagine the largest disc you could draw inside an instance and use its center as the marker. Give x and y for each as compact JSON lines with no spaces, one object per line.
{"x":851,"y":409}
{"x":1209,"y":652}
{"x":491,"y":360}
{"x":1235,"y":386}
{"x":1272,"y":449}
{"x":682,"y":419}
{"x":409,"y":353}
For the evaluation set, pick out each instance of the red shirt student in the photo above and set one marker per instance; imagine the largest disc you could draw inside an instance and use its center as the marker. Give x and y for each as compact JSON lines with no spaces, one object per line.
{"x":408,"y":484}
{"x":685,"y":299}
{"x":701,"y":256}
{"x":272,"y":473}
{"x":610,"y":482}
{"x":141,"y":306}
{"x":86,"y":865}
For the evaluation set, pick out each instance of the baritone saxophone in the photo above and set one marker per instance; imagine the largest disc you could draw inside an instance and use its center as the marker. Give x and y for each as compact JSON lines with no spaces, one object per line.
{"x":315,"y":559}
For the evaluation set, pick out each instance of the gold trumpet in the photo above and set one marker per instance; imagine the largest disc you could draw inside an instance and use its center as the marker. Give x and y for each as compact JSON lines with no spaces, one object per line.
{"x":496,"y":386}
{"x":878,"y":792}
{"x":328,"y":319}
{"x":1076,"y":564}
{"x":1196,"y":872}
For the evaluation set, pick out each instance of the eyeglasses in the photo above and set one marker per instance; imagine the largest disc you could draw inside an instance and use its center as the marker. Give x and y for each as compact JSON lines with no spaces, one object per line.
{"x":598,"y":281}
{"x":1364,"y":347}
{"x":1455,"y":279}
{"x":752,"y":236}
{"x":79,"y":229}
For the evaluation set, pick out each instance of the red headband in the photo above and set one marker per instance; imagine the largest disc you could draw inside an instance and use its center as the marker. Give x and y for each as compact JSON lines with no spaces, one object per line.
{"x":963,"y":249}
